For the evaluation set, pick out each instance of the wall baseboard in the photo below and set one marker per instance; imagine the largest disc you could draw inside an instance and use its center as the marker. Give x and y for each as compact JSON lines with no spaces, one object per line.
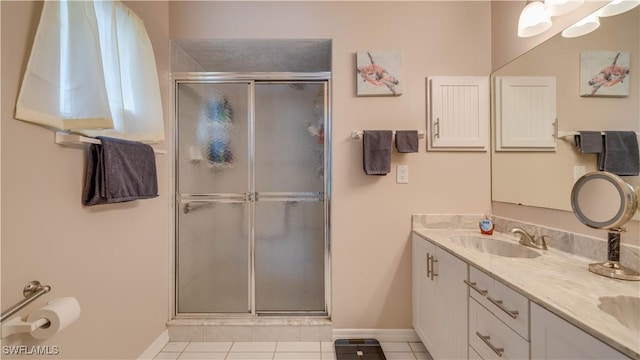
{"x":155,"y":346}
{"x":387,"y":335}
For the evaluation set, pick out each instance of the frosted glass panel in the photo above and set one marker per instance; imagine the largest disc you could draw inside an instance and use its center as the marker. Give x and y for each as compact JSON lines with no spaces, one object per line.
{"x":213,"y":257}
{"x":289,"y":256}
{"x":289,"y":123}
{"x":213,"y":138}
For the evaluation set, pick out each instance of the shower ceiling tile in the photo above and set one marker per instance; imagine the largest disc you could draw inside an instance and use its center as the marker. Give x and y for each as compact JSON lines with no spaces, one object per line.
{"x":249,"y":55}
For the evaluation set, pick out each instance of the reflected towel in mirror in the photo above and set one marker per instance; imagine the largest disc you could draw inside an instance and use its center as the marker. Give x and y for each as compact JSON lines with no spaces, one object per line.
{"x":589,"y":142}
{"x":620,"y":154}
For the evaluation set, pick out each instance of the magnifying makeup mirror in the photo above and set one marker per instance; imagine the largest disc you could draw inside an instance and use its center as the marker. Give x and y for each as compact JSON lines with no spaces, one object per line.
{"x":602,"y":200}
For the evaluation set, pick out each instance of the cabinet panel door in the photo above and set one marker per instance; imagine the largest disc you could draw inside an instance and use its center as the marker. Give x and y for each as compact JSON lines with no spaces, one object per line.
{"x":418,"y":280}
{"x":554,"y":338}
{"x":525,"y":113}
{"x":451,"y":307}
{"x":459,"y":113}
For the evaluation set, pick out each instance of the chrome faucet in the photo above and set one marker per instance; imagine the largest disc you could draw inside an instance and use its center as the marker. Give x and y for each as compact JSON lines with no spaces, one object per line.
{"x":527,"y":239}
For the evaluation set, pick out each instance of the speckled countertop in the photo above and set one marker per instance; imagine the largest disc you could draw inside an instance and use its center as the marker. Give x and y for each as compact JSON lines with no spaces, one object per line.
{"x":557,"y":281}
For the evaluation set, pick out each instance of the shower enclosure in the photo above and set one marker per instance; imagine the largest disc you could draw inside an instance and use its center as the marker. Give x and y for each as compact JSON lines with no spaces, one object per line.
{"x":252,"y":194}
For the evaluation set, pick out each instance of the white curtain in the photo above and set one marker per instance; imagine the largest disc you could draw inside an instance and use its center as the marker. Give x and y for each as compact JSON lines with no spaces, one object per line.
{"x":92,"y":71}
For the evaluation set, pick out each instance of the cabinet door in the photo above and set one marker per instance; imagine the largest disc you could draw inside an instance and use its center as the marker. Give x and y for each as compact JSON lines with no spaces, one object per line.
{"x":459,"y":113}
{"x":423,"y":292}
{"x":554,"y":338}
{"x":525,"y":113}
{"x":439,"y":300}
{"x":451,"y":306}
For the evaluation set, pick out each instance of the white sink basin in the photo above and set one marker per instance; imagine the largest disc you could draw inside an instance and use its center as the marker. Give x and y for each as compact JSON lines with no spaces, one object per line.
{"x":626,"y":309}
{"x":494,"y":246}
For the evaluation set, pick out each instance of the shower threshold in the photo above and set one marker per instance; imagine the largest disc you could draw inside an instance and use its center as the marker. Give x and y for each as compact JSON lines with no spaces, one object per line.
{"x":261,"y":328}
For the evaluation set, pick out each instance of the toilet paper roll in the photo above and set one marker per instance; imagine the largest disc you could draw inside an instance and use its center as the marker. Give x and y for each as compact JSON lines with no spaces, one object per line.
{"x":60,"y":312}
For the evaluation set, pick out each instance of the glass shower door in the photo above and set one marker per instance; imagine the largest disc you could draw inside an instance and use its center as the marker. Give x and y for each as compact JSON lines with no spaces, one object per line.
{"x":251,"y":205}
{"x":213,"y":203}
{"x":290,"y":201}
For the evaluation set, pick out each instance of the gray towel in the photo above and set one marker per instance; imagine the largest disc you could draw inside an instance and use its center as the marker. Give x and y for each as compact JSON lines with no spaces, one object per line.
{"x":620,"y":154}
{"x":376,"y":148}
{"x":589,"y":142}
{"x":119,"y":171}
{"x":407,"y":141}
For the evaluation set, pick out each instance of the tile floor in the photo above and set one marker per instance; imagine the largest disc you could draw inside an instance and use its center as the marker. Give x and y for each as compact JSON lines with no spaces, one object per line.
{"x":293,"y":350}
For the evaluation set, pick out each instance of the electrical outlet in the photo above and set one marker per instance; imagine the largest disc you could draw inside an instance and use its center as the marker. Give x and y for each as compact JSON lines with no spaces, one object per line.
{"x":402,"y":174}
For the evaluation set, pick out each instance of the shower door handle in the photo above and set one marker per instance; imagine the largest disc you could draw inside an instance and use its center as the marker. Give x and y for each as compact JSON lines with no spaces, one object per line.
{"x":193,"y":202}
{"x":289,"y":197}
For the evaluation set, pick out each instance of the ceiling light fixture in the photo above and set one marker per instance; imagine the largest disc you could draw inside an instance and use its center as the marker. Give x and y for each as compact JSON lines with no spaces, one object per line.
{"x":616,"y":7}
{"x":582,"y":27}
{"x":534,"y":20}
{"x":561,"y":7}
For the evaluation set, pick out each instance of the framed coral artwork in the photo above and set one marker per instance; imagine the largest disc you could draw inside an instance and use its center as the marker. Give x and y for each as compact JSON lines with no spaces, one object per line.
{"x":379,"y":73}
{"x":604,"y":73}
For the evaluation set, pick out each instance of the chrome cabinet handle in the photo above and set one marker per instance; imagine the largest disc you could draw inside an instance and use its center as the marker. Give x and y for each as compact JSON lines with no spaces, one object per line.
{"x":433,"y":268}
{"x":430,"y":268}
{"x":476,"y":288}
{"x":436,"y":128}
{"x":486,"y":339}
{"x":499,"y":303}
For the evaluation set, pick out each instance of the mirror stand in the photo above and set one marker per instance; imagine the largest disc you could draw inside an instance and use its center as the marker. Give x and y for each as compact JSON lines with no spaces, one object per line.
{"x":612,"y":267}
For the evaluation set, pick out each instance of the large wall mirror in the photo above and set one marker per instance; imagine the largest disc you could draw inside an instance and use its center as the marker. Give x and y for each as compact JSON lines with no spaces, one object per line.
{"x":545,"y":178}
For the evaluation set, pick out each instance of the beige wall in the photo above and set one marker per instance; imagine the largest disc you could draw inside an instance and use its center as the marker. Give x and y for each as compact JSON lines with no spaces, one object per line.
{"x":113,"y":258}
{"x":371,"y":215}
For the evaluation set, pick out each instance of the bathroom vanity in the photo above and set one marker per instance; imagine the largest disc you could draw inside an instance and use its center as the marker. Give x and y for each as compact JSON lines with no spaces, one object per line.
{"x":487,"y":297}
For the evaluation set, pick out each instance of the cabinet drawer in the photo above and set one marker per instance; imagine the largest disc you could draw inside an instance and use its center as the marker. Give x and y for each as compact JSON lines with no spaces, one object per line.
{"x":506,"y":343}
{"x":506,"y":304}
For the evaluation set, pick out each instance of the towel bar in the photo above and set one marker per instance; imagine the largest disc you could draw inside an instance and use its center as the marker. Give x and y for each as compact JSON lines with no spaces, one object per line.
{"x":358,"y":134}
{"x":31,"y":292}
{"x":569,"y":134}
{"x":63,"y":138}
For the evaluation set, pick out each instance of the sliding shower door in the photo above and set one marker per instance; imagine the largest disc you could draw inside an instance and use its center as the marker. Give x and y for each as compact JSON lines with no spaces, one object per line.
{"x":289,"y":183}
{"x":251,"y":192}
{"x":213,"y":210}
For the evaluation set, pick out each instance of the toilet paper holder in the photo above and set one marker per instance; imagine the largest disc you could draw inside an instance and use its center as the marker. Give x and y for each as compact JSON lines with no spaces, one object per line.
{"x":17,"y":325}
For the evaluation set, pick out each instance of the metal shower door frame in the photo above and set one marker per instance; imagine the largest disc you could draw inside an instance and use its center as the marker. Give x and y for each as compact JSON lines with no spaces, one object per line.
{"x":251,"y":79}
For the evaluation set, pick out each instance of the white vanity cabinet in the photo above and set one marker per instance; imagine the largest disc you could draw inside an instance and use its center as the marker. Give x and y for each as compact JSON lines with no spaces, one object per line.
{"x":554,"y":338}
{"x":466,"y":308}
{"x":439,"y":300}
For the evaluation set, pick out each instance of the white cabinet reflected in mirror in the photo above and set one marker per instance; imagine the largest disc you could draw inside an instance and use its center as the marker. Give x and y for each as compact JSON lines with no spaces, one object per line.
{"x":545,"y":178}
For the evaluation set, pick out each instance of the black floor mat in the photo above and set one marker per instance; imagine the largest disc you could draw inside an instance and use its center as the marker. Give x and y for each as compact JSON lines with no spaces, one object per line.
{"x":358,"y":349}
